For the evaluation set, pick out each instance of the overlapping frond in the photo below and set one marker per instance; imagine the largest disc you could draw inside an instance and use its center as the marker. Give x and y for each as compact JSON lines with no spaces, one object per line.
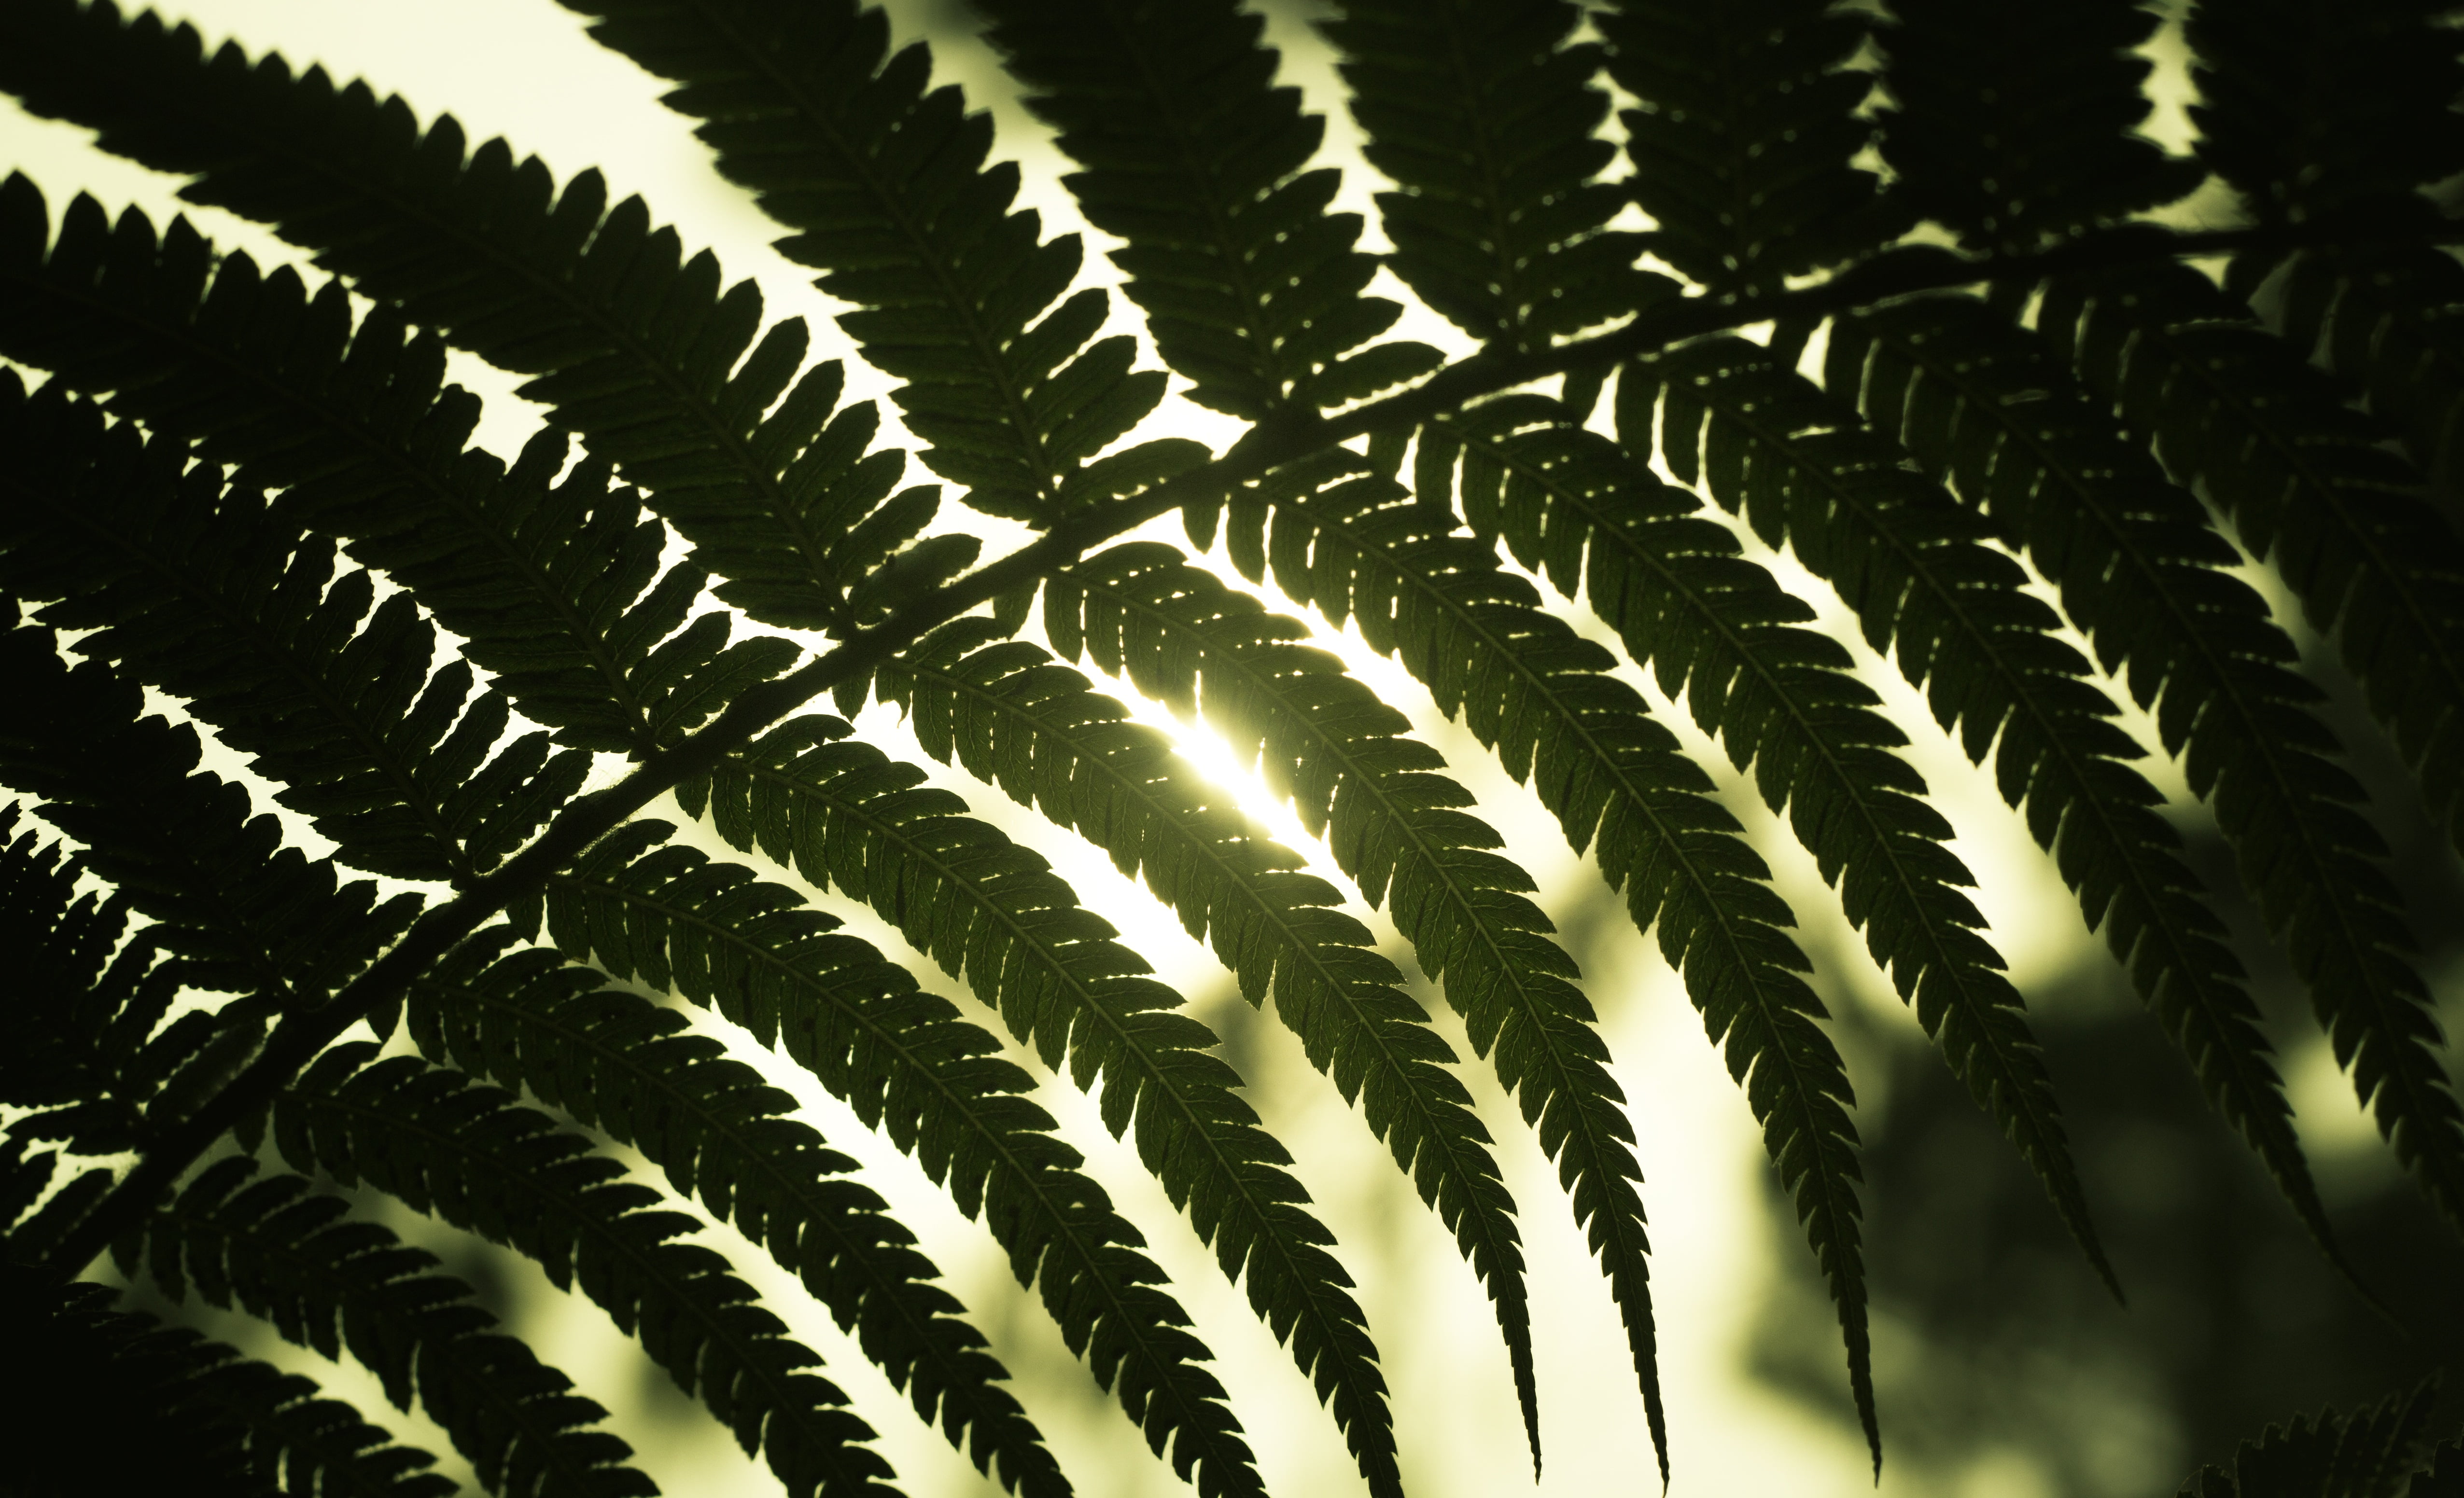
{"x":242,"y":913}
{"x":2387,"y":319}
{"x":2010,"y":123}
{"x":621,"y":1064}
{"x":1981,"y":406}
{"x":127,"y":1404}
{"x":78,"y":1047}
{"x":1743,"y":143}
{"x":1907,"y":559}
{"x":554,"y":583}
{"x":908,"y":1065}
{"x":1484,"y":116}
{"x":631,"y":343}
{"x":2304,"y":480}
{"x":1251,"y":288}
{"x":1569,"y":503}
{"x":472,"y":1155}
{"x":1360,"y":548}
{"x":283,"y":1251}
{"x":194,"y":590}
{"x":884,"y":189}
{"x":846,"y":816}
{"x":1328,"y":744}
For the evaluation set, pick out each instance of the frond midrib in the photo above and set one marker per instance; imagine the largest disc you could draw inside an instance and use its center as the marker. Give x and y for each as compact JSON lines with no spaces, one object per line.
{"x":1157,"y":1081}
{"x":393,"y":460}
{"x":407,"y":792}
{"x":892,"y":1042}
{"x":988,"y":348}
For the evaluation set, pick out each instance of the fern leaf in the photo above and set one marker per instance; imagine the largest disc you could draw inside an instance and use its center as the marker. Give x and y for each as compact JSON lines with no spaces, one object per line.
{"x":554,"y":585}
{"x":244,"y":914}
{"x":80,"y":1015}
{"x":191,"y":590}
{"x":2371,"y":1453}
{"x":1906,"y":558}
{"x":1178,"y":634}
{"x":631,"y":343}
{"x":2385,"y":320}
{"x":843,"y":815}
{"x":1359,"y":548}
{"x":1981,"y":406}
{"x":2306,"y":107}
{"x":904,"y":1061}
{"x":1251,"y":288}
{"x":1486,"y":119}
{"x":2011,"y":123}
{"x":1743,"y":141}
{"x":2300,"y":476}
{"x":472,"y":1155}
{"x":621,"y":1064}
{"x":126,"y":1404}
{"x":884,"y":189}
{"x":286,"y":1253}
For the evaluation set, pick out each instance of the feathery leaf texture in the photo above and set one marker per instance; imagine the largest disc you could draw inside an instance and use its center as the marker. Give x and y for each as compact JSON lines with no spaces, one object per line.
{"x":844,"y":815}
{"x":128,"y":1404}
{"x":2303,"y":479}
{"x":469,"y":1153}
{"x":280,"y":1250}
{"x":630,"y":343}
{"x":554,"y":583}
{"x":1485,"y":119}
{"x":1909,"y":560}
{"x":617,"y":1062}
{"x":1251,"y":288}
{"x":1335,"y":751}
{"x":1569,"y":503}
{"x":883,"y":186}
{"x":241,"y":913}
{"x":1359,"y":548}
{"x":908,"y":1065}
{"x":1744,"y":136}
{"x":1981,"y":405}
{"x":260,"y":498}
{"x":194,"y":590}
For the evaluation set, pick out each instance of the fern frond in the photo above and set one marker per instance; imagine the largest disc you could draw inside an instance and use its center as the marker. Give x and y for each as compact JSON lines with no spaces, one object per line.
{"x":76,"y":1027}
{"x":884,"y":189}
{"x":2306,"y":106}
{"x":1335,"y":751}
{"x":2011,"y":123}
{"x":244,"y":914}
{"x":2371,"y":1453}
{"x":631,"y":343}
{"x":1251,"y":288}
{"x":193,"y":590}
{"x":2387,"y":321}
{"x":621,"y":1064}
{"x":908,"y":1065}
{"x":843,"y":815}
{"x":126,"y":1404}
{"x":280,"y":1250}
{"x":1358,"y":548}
{"x":2300,"y":477}
{"x":1982,"y":408}
{"x":1485,"y":117}
{"x":1743,"y":143}
{"x":1906,"y":558}
{"x":554,"y":584}
{"x":472,"y":1155}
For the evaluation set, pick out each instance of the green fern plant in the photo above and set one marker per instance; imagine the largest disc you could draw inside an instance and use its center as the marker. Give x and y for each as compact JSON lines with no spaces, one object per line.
{"x":1697,"y":304}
